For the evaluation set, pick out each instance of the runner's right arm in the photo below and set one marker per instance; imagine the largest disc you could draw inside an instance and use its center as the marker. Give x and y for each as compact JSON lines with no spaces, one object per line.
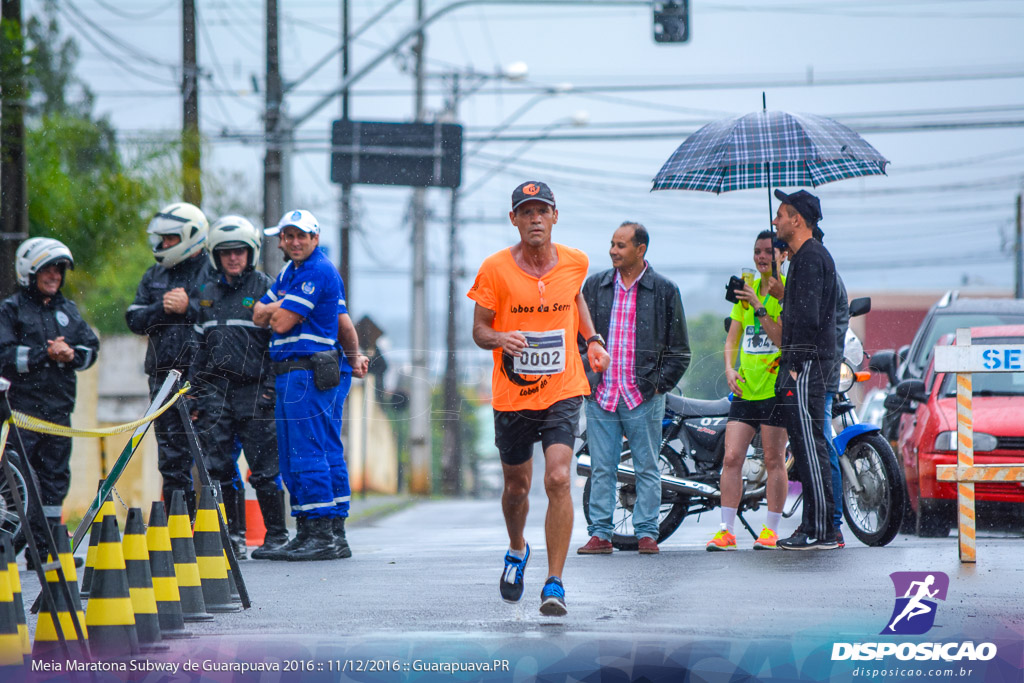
{"x":486,"y":337}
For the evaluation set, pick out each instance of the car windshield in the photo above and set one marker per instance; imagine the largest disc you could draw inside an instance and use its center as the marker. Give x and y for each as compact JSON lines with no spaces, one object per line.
{"x":989,"y":383}
{"x":947,"y":324}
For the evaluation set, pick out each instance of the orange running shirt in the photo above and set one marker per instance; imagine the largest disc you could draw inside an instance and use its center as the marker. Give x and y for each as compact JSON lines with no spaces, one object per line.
{"x":527,"y":304}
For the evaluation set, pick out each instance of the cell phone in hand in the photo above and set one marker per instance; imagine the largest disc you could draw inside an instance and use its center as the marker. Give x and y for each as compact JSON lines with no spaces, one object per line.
{"x":735,"y":285}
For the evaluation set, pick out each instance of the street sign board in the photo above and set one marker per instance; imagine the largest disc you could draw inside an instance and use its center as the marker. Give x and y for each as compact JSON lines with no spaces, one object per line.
{"x":389,"y":153}
{"x":980,"y":358}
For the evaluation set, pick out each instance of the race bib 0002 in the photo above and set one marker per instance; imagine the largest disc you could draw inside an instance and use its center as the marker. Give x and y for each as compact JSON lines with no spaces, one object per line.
{"x":544,"y":354}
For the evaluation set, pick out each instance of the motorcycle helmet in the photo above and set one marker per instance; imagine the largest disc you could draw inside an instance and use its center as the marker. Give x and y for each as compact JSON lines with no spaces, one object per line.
{"x":184,"y":220}
{"x":234,"y":231}
{"x":38,"y":252}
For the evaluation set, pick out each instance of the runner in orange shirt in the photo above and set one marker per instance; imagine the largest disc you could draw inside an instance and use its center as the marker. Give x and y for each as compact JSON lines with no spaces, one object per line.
{"x":529,"y":312}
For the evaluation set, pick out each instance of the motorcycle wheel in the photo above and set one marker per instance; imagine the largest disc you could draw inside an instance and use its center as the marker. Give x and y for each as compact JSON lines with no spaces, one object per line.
{"x":876,"y":513}
{"x":10,"y":522}
{"x":673,"y":505}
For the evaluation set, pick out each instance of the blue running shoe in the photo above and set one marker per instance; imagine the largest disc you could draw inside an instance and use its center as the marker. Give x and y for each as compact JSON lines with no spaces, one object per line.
{"x":511,"y":585}
{"x":552,"y":598}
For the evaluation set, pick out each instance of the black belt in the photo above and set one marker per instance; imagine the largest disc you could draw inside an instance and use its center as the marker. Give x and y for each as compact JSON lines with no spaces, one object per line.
{"x":305,"y":363}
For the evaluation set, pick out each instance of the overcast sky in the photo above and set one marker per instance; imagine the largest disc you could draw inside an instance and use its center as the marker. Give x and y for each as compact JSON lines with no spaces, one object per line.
{"x":931,"y":84}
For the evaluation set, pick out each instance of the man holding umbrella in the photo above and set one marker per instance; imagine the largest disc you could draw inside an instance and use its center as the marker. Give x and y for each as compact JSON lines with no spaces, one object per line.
{"x":808,"y":351}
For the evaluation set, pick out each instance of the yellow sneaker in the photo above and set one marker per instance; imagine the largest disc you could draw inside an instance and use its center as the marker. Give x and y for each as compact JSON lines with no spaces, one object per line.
{"x":767,"y":539}
{"x":723,"y":540}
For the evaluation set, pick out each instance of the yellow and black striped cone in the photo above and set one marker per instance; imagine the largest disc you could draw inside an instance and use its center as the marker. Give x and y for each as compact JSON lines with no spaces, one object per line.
{"x":13,"y":611}
{"x":109,"y":614}
{"x":47,"y":644}
{"x":232,"y":586}
{"x":190,"y":588}
{"x":165,"y":582}
{"x":140,"y":582}
{"x":94,"y":538}
{"x":12,"y":658}
{"x":10,"y":565}
{"x":210,"y":555}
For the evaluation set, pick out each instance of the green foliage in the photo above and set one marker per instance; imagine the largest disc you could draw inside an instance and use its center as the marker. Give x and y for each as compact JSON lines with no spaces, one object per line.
{"x":51,"y":73}
{"x":705,"y":378}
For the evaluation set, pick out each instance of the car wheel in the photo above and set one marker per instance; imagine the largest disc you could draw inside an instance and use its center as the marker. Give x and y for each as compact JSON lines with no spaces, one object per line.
{"x":934,"y":517}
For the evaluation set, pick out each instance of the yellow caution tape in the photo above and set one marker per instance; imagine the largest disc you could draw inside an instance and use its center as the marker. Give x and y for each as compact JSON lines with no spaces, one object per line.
{"x":34,"y":424}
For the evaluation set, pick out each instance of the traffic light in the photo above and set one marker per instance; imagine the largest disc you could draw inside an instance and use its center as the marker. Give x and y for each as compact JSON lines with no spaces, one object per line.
{"x":672,"y":21}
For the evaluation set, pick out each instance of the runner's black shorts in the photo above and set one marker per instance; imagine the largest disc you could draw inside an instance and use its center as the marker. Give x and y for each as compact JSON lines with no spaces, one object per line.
{"x":756,"y":413}
{"x":515,"y":431}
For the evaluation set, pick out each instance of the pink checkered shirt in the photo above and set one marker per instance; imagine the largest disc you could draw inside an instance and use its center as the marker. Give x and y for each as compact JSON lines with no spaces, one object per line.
{"x":619,"y":381}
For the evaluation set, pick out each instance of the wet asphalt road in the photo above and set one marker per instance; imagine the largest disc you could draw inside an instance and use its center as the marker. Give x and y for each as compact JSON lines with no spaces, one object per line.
{"x":429,"y":573}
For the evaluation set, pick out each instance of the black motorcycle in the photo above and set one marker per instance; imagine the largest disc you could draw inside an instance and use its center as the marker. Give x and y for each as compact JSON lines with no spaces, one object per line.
{"x":693,"y":450}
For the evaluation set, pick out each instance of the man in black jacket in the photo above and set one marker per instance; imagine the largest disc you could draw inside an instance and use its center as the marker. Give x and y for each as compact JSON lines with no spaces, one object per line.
{"x":641,"y":315}
{"x":166,"y":308}
{"x":808,"y":351}
{"x":233,"y":370}
{"x":43,"y":343}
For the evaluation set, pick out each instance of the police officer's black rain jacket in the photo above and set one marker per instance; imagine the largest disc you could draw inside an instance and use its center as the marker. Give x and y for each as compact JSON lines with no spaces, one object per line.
{"x":172,"y":337}
{"x":40,"y":386}
{"x":233,"y":347}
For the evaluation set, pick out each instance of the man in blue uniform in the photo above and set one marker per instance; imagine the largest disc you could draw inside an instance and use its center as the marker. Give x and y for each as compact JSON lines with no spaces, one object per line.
{"x":301,"y":309}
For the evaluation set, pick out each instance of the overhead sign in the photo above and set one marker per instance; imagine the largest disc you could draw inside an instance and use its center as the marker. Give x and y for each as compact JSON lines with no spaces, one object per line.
{"x":980,"y":358}
{"x":385,"y":153}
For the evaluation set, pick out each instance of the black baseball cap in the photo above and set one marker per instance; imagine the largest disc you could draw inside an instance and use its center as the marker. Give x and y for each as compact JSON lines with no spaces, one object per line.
{"x":805,"y":203}
{"x":532,"y":190}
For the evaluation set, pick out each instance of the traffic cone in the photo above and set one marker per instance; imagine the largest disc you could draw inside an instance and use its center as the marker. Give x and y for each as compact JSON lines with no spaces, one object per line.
{"x":109,"y":613}
{"x":10,"y":565}
{"x":232,"y":586}
{"x":190,"y":588}
{"x":165,"y":583}
{"x":9,"y":573}
{"x":255,"y":529}
{"x":12,"y":659}
{"x":94,"y":538}
{"x":140,"y":582}
{"x":210,"y":555}
{"x":47,"y":644}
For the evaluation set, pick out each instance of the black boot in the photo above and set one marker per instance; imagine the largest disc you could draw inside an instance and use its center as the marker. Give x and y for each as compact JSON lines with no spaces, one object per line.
{"x":319,"y":544}
{"x":338,"y":526}
{"x":236,"y":519}
{"x":272,"y":507}
{"x":282,"y":551}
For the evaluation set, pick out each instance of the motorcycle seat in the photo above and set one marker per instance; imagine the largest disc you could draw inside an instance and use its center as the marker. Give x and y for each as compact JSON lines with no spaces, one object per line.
{"x":692,"y":407}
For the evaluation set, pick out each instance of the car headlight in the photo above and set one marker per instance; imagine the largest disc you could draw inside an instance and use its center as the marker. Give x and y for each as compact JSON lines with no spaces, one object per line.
{"x":946,"y":441}
{"x":847,"y":378}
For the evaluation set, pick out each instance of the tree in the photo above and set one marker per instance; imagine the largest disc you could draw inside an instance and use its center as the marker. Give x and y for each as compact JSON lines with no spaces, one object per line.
{"x":705,"y":378}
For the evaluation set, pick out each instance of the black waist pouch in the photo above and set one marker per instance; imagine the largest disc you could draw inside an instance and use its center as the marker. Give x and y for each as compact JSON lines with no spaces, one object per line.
{"x":326,"y":372}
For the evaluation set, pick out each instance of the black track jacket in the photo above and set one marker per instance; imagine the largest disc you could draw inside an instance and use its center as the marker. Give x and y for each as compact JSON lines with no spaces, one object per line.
{"x":809,"y":308}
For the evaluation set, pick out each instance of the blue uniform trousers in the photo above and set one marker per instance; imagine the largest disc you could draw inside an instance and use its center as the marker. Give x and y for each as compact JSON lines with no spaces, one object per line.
{"x":308,"y":440}
{"x":336,"y":457}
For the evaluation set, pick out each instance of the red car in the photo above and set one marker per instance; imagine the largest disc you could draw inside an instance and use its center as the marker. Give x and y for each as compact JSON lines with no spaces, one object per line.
{"x":927,"y":435}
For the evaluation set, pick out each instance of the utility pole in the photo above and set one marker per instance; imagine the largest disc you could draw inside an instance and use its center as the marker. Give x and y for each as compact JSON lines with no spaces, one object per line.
{"x":1018,"y":255}
{"x":420,"y":455}
{"x":190,"y":175}
{"x":345,"y":210}
{"x":451,"y":454}
{"x":273,"y":193}
{"x":13,"y":185}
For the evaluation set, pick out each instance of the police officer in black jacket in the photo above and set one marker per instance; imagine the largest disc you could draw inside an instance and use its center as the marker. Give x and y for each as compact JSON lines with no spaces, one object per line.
{"x":43,"y":343}
{"x":166,"y":308}
{"x":235,"y":378}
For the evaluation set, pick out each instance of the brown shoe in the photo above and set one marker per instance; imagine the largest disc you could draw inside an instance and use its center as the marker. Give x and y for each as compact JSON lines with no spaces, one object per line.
{"x":647,"y":546}
{"x":596,"y":546}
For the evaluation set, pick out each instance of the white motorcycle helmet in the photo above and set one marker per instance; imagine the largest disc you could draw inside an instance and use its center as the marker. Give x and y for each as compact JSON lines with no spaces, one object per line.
{"x":36,"y":253}
{"x":184,"y":220}
{"x":234,"y":231}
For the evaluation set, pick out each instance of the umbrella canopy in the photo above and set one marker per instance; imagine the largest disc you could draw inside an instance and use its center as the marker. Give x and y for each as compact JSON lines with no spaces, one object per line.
{"x":765,"y":149}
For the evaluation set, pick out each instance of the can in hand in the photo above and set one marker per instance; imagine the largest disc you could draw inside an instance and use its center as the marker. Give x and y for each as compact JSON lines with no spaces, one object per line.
{"x":747,"y":275}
